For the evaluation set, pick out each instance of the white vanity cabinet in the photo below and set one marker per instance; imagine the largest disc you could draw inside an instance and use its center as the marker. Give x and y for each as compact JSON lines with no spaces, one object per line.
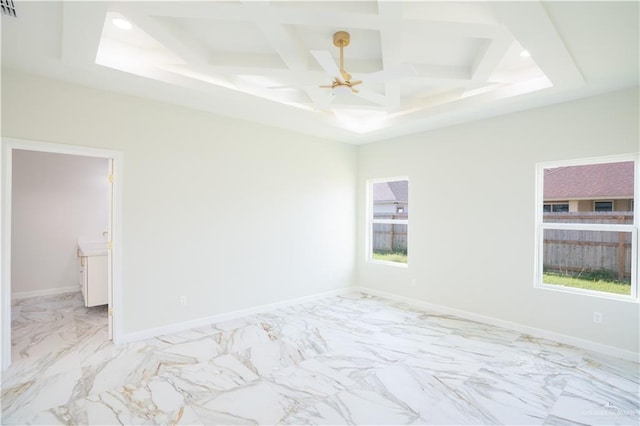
{"x":93,"y":275}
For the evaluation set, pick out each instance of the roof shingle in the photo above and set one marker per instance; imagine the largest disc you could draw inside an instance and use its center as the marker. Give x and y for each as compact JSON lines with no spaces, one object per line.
{"x":589,"y":181}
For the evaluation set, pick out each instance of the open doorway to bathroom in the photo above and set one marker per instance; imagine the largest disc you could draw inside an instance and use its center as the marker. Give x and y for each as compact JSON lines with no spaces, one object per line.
{"x":58,"y":218}
{"x":59,"y":234}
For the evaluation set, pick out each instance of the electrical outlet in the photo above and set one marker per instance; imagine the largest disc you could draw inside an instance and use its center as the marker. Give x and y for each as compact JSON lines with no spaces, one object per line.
{"x":597,"y":317}
{"x":183,"y":300}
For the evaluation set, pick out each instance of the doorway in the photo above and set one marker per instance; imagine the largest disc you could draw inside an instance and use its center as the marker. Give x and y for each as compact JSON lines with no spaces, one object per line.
{"x":112,"y":234}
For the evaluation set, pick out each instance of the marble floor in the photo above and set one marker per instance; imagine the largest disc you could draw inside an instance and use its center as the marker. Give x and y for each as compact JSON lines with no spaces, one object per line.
{"x":340,"y":360}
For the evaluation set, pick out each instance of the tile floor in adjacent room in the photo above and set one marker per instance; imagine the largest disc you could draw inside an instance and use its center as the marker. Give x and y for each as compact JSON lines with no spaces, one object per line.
{"x":340,"y":360}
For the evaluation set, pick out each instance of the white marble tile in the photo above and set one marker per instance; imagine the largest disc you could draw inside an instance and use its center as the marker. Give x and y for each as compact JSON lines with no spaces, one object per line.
{"x":264,"y":358}
{"x":255,"y":403}
{"x":63,"y":360}
{"x":445,"y":362}
{"x":618,"y":373}
{"x":356,"y":364}
{"x":233,"y":324}
{"x":94,"y":346}
{"x":241,"y":338}
{"x":123,"y":369}
{"x":37,"y":339}
{"x":95,"y":315}
{"x":355,"y":407}
{"x":557,"y":353}
{"x":73,"y":413}
{"x":309,"y":380}
{"x":21,"y":402}
{"x":191,"y":352}
{"x":588,"y":401}
{"x":506,"y":399}
{"x":188,"y":335}
{"x":341,"y":360}
{"x":150,"y":402}
{"x":53,"y":302}
{"x":203,"y":380}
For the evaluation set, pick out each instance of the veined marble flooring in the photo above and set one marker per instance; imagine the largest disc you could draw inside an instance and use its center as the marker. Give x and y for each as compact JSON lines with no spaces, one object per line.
{"x":340,"y":360}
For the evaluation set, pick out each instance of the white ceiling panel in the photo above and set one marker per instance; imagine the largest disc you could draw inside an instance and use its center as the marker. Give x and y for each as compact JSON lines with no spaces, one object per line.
{"x":421,"y":64}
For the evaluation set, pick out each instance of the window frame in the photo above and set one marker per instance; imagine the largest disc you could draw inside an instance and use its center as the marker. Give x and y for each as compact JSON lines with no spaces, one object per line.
{"x":370,"y":221}
{"x":554,"y":203}
{"x":595,"y":202}
{"x":541,"y":226}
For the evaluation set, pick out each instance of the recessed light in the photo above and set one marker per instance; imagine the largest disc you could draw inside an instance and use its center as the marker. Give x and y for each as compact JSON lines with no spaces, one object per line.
{"x":121,"y":23}
{"x":525,"y":54}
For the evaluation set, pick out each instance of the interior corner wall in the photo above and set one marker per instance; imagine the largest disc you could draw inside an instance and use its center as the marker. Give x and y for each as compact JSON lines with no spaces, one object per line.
{"x":56,"y":199}
{"x":471,"y":229}
{"x":227,"y":213}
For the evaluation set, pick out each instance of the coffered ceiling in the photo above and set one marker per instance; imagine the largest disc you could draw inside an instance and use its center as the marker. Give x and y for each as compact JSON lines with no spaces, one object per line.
{"x":423,"y":64}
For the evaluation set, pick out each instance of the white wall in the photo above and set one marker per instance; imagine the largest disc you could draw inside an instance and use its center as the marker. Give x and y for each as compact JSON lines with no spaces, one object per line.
{"x":56,"y":198}
{"x":471,"y":226}
{"x":228,"y":213}
{"x":233,"y":214}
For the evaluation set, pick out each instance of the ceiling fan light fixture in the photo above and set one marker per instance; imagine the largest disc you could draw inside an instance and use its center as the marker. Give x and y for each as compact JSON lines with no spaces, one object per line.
{"x":341,"y":90}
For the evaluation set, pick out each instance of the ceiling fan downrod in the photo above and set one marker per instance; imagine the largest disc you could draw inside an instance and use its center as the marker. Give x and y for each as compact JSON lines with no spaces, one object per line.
{"x":341,"y":39}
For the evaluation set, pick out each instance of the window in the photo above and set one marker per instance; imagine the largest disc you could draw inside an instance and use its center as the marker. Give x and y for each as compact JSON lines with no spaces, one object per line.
{"x":556,"y":207}
{"x":388,"y":220}
{"x":587,"y":251}
{"x":603,"y":206}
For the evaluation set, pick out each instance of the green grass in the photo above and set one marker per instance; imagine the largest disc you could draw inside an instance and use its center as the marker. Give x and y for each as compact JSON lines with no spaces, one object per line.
{"x":615,"y":287}
{"x":397,"y":257}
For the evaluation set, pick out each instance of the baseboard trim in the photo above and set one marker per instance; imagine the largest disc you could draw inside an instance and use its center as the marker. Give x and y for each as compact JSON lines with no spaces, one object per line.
{"x":536,"y":332}
{"x":200,"y":322}
{"x":46,"y":292}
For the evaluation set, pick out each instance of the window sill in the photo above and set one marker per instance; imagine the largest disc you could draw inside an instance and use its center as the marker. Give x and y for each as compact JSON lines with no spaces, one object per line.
{"x":384,"y":262}
{"x":590,"y":293}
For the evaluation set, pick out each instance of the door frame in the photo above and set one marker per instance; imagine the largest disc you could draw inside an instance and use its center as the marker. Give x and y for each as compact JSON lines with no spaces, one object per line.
{"x":6,"y":161}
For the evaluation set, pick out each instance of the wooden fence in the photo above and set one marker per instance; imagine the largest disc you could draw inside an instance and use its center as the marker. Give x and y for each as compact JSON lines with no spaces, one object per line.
{"x":570,"y":251}
{"x":389,"y":238}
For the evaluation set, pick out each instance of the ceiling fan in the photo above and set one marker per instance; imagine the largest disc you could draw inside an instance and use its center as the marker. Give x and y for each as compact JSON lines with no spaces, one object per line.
{"x":342,"y":80}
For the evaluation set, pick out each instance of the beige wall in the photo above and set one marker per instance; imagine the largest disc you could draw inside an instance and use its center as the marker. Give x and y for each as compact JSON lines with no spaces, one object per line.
{"x":622,"y":205}
{"x":583,"y":206}
{"x":228,"y":213}
{"x":482,"y":261}
{"x":589,"y":206}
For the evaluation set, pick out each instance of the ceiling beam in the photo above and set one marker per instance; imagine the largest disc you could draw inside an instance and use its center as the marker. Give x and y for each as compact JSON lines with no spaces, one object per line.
{"x":167,"y":34}
{"x":390,"y":42}
{"x":82,"y":24}
{"x":489,"y":57}
{"x":284,"y":41}
{"x":531,"y":26}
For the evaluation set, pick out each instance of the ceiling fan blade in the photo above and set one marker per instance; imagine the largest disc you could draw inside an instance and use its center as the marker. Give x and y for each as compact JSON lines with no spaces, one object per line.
{"x":392,"y":73}
{"x":370,"y":96}
{"x":327,"y":63}
{"x":353,"y":83}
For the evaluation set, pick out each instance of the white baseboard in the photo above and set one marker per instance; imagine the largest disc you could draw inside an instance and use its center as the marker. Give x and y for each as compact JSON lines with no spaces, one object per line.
{"x":536,"y":332}
{"x":46,"y":292}
{"x":200,"y":322}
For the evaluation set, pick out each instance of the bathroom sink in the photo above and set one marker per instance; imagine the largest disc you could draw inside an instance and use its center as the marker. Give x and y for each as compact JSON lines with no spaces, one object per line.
{"x":92,"y":247}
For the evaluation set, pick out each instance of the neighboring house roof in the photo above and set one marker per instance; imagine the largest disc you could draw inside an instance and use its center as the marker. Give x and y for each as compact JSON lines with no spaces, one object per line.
{"x":396,"y":191}
{"x":590,"y":181}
